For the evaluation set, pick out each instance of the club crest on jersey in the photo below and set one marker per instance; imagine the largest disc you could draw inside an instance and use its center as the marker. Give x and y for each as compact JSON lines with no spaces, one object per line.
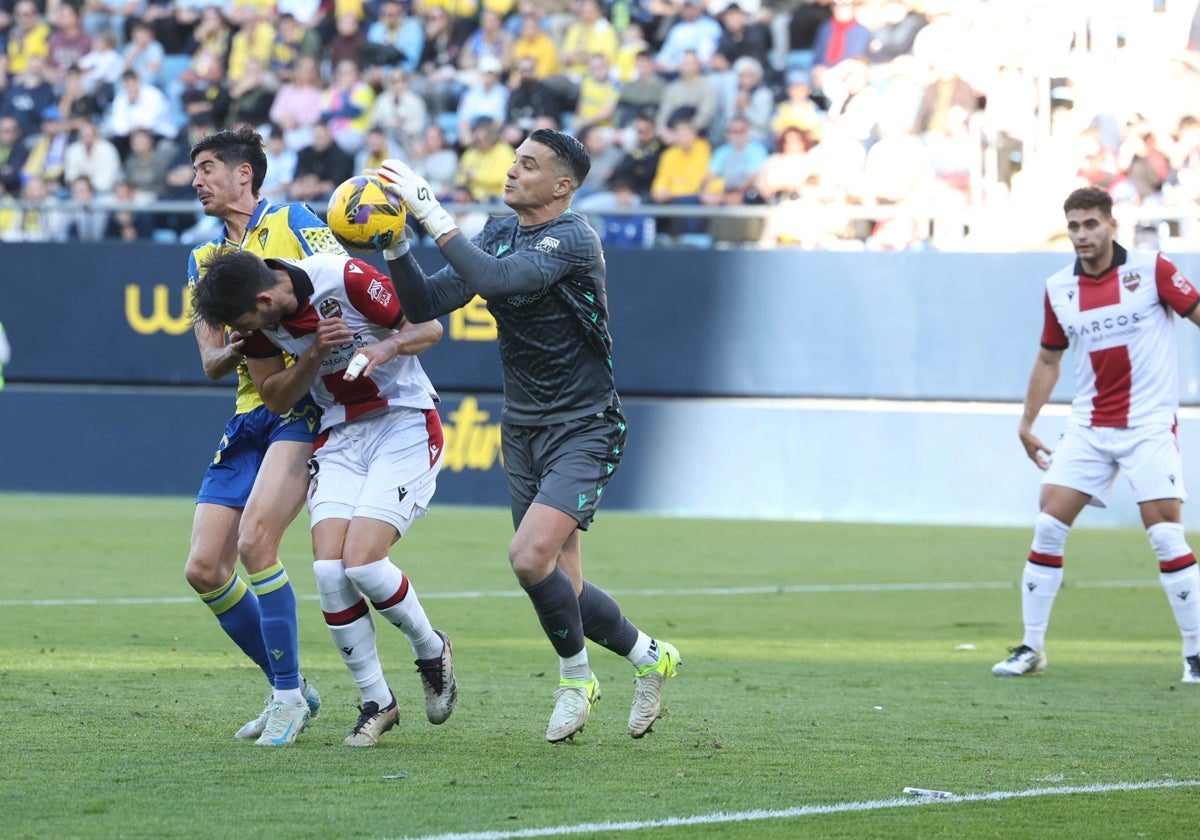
{"x":547,"y":245}
{"x":1132,"y":281}
{"x":379,"y":293}
{"x":330,"y":308}
{"x":262,"y":239}
{"x":1181,"y":282}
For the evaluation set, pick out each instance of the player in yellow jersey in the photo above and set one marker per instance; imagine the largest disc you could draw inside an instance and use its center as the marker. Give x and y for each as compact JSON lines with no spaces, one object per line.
{"x":258,"y":479}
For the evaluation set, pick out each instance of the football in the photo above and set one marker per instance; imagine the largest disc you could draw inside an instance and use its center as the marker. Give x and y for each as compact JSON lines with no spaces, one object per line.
{"x":364,"y":216}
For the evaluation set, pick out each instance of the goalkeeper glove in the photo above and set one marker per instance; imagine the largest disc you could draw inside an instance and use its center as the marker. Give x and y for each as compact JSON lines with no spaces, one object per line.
{"x":417,"y":196}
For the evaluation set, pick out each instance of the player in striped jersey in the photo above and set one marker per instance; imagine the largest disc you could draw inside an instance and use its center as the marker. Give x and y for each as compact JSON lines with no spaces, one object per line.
{"x":257,"y":480}
{"x":1116,"y":309}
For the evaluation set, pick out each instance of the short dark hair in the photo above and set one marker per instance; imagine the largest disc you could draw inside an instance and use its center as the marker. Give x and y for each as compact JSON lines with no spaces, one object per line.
{"x":1089,"y":198}
{"x":227,"y":290}
{"x":234,"y":147}
{"x":568,"y":151}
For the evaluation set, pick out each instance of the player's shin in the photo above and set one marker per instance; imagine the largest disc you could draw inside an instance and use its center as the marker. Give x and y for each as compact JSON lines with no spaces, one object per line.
{"x":349,"y":621}
{"x":1180,"y":580}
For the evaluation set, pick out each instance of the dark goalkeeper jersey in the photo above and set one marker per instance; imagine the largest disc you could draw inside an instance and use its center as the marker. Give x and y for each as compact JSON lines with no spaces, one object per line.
{"x":544,"y":285}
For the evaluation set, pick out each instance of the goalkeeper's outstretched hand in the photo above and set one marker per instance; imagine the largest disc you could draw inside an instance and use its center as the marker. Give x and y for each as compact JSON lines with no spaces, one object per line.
{"x":399,"y":179}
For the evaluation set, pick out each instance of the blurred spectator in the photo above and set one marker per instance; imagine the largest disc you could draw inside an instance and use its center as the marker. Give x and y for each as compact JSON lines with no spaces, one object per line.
{"x":28,"y":38}
{"x":95,"y":157}
{"x":855,"y":107}
{"x":604,"y":156}
{"x":947,"y":90}
{"x":839,"y":38}
{"x":489,"y":40}
{"x":109,"y":16}
{"x":734,"y":166}
{"x":896,"y":33}
{"x":483,"y":166}
{"x":27,"y":96}
{"x":139,"y":105}
{"x":395,"y":31}
{"x":254,"y":40}
{"x":693,"y":32}
{"x":433,"y":159}
{"x":307,"y":13}
{"x":292,"y":42}
{"x":529,"y":97}
{"x":348,"y":43}
{"x":125,"y":223}
{"x":320,"y":167}
{"x":741,"y":38}
{"x":68,"y":43}
{"x":803,"y":24}
{"x":83,"y":221}
{"x":692,"y":96}
{"x":1097,"y":161}
{"x":746,"y":96}
{"x":784,"y":172}
{"x":1185,"y":159}
{"x":1144,"y":160}
{"x":898,"y":167}
{"x":643,"y":92}
{"x":534,"y":43}
{"x":48,"y":153}
{"x":102,"y":68}
{"x":145,"y":165}
{"x":177,"y":182}
{"x":640,"y":164}
{"x":598,"y":95}
{"x":75,"y":103}
{"x":681,"y":173}
{"x":281,"y":167}
{"x":13,"y":152}
{"x":207,"y":45}
{"x":488,"y":98}
{"x":632,"y":44}
{"x":34,"y":221}
{"x":798,"y":110}
{"x":297,"y":105}
{"x":251,"y":97}
{"x":376,"y":149}
{"x":143,"y":54}
{"x":208,"y":93}
{"x":346,"y":106}
{"x":438,"y":80}
{"x":627,"y":231}
{"x":470,"y":219}
{"x":591,"y":34}
{"x":399,"y":111}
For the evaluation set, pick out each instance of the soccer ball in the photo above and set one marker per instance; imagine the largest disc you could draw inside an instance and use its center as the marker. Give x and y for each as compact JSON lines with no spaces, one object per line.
{"x":364,"y":216}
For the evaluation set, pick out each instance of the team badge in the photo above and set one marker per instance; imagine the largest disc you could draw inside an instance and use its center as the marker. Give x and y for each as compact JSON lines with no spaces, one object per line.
{"x":1132,"y":281}
{"x":547,"y":245}
{"x":379,"y":293}
{"x":330,"y":308}
{"x":262,"y":239}
{"x":1182,"y":283}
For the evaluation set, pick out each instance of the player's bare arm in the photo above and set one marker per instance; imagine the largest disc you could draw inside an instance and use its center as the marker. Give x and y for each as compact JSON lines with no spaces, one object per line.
{"x":1194,"y":316}
{"x":1042,"y":379}
{"x":409,"y":340}
{"x":218,"y":356}
{"x":281,"y":387}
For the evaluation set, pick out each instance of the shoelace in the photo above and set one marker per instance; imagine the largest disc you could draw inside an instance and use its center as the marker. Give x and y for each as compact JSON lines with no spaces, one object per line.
{"x":433,"y":672}
{"x":366,"y":712}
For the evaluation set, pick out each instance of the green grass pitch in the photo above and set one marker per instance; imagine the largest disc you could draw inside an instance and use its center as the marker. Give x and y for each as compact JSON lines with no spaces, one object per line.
{"x":825,"y":669}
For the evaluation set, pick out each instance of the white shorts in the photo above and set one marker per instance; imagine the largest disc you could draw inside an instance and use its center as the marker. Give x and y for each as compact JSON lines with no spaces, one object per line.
{"x":381,"y":467}
{"x":1087,"y":459}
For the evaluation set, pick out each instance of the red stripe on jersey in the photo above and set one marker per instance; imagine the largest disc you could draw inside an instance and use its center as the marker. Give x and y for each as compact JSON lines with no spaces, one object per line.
{"x":1105,"y":291}
{"x":1053,"y":334}
{"x":359,"y":396}
{"x":433,"y":427}
{"x":397,"y":597}
{"x":1114,"y":383}
{"x":1177,"y":564}
{"x":1173,"y":287}
{"x":349,"y":615}
{"x":303,"y":322}
{"x":1052,"y":560}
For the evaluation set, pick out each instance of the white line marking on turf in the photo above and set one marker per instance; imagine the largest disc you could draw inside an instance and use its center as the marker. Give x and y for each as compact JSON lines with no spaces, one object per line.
{"x":791,"y":589}
{"x":806,"y":811}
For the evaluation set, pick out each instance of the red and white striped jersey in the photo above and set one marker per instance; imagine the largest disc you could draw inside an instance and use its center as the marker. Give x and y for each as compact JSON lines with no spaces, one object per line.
{"x":331,"y":285}
{"x":1121,"y":326}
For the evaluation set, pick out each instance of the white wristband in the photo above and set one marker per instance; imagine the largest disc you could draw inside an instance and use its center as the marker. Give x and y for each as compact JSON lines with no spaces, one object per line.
{"x":438,"y":223}
{"x":397,"y":251}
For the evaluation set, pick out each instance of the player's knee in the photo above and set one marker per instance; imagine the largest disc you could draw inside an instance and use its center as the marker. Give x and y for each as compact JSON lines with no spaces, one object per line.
{"x":205,"y":574}
{"x":528,"y":563}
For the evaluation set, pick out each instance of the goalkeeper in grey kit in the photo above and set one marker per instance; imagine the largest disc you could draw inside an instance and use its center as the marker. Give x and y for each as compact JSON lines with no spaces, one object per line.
{"x":563,"y":429}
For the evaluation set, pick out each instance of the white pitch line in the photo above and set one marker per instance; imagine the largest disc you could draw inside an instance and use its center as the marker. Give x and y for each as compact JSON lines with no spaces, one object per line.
{"x":804,"y":811}
{"x":791,"y":589}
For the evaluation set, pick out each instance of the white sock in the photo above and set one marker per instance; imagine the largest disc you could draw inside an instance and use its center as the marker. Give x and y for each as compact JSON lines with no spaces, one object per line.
{"x":392,"y":594}
{"x":349,"y":621}
{"x":1039,"y":587}
{"x":1182,"y":585}
{"x":644,"y":652}
{"x":575,"y":667}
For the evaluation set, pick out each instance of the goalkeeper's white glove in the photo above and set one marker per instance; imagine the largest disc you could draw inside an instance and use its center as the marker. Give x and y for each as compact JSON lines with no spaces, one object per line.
{"x":417,"y":196}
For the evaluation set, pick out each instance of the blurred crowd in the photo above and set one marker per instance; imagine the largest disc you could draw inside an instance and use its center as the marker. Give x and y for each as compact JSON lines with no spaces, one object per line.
{"x":857,"y":124}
